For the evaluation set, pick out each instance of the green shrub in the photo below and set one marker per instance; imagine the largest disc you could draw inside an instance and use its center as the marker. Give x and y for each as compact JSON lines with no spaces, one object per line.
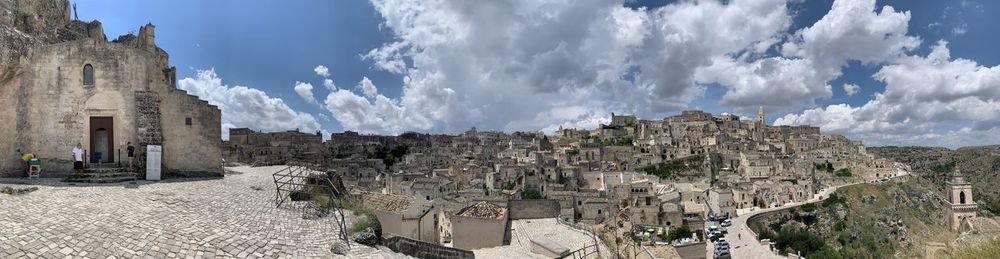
{"x":531,"y":195}
{"x":677,"y":233}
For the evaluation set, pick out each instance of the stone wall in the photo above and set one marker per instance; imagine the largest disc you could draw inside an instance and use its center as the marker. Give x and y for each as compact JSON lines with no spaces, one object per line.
{"x":53,"y":108}
{"x":193,"y":150}
{"x":533,"y":209}
{"x":691,"y":251}
{"x":474,"y":233}
{"x":425,"y":250}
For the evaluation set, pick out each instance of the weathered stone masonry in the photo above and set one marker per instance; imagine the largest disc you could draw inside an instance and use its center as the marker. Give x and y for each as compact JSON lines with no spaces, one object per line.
{"x":132,"y":97}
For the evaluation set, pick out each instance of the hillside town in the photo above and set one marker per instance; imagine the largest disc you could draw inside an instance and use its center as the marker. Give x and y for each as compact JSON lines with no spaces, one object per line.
{"x":657,"y":174}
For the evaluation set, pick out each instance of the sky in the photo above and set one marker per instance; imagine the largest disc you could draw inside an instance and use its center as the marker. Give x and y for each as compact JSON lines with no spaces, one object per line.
{"x":885,"y":72}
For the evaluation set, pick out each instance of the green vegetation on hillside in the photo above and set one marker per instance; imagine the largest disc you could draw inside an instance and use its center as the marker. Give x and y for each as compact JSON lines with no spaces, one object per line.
{"x":671,"y":169}
{"x":626,"y":141}
{"x":861,"y":221}
{"x":979,"y":166}
{"x":987,"y":249}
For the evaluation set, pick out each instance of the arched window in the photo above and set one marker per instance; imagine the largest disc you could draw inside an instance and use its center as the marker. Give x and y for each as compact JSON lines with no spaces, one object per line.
{"x":961,"y":197}
{"x":88,"y":75}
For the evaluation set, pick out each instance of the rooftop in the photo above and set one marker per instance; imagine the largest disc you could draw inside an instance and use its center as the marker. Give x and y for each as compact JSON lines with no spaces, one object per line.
{"x":484,"y":210}
{"x":387,"y":202}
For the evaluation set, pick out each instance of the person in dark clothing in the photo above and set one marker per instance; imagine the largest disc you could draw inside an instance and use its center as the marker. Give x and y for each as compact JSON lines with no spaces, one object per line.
{"x":131,"y":155}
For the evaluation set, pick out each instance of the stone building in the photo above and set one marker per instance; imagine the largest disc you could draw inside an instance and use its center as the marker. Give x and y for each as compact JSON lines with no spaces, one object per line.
{"x":961,"y":207}
{"x":63,"y":83}
{"x":272,"y":148}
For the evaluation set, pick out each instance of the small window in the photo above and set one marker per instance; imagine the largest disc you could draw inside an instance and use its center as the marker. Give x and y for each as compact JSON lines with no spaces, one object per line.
{"x":88,"y":75}
{"x":187,"y":121}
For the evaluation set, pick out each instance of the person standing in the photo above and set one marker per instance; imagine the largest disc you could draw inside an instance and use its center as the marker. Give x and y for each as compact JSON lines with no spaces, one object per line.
{"x":78,"y":159}
{"x":131,"y":155}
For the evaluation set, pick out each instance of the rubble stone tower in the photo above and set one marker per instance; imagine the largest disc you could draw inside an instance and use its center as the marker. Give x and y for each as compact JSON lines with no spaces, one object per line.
{"x":961,"y":205}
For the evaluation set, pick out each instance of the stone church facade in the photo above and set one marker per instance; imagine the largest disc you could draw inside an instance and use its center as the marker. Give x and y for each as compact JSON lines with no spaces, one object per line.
{"x":62,"y":83}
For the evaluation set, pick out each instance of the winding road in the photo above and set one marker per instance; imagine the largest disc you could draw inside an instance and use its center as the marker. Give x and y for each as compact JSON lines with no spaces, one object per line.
{"x":744,"y":244}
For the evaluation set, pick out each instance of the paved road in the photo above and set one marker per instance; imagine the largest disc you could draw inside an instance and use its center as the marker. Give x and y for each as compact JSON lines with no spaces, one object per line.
{"x":743,"y":243}
{"x":234,"y":217}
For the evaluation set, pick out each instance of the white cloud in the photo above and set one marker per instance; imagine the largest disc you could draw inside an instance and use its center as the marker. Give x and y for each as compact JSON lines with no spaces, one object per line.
{"x":812,"y":56}
{"x":960,"y":29}
{"x":328,"y":83}
{"x":246,"y":107}
{"x":504,"y":64}
{"x":851,"y":89}
{"x":853,"y":30}
{"x":924,"y":99}
{"x":367,"y":87}
{"x":304,"y":90}
{"x":321,"y":70}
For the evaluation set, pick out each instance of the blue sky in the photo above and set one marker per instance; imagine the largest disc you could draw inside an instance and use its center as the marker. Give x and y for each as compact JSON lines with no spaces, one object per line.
{"x":536,"y":65}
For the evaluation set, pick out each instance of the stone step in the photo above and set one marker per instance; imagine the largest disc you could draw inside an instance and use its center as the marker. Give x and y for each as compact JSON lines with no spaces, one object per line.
{"x":101,"y":175}
{"x":101,"y":179}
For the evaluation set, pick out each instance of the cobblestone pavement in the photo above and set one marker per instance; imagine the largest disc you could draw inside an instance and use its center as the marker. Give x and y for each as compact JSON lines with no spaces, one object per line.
{"x":234,"y":217}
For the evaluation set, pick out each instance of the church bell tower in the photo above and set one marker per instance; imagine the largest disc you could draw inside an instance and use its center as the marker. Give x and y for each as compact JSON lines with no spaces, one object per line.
{"x":760,"y":114}
{"x":961,"y":206}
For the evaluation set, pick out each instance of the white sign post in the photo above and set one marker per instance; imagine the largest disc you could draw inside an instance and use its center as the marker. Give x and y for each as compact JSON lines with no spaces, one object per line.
{"x":153,"y":155}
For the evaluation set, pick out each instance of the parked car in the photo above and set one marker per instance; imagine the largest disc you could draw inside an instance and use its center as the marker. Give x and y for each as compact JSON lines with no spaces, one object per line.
{"x":727,"y":223}
{"x":721,"y":255}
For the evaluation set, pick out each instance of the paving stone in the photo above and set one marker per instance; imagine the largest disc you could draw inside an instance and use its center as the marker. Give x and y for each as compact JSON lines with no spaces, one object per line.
{"x":199,"y":219}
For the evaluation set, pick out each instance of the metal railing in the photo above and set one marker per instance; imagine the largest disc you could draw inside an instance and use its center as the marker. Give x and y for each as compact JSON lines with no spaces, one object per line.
{"x":300,"y":178}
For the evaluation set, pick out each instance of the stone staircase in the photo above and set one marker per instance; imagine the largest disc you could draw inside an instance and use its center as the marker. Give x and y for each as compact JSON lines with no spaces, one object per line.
{"x":102,"y":173}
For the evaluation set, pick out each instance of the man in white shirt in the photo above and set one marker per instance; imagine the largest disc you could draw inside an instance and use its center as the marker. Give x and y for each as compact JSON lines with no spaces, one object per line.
{"x":78,"y":159}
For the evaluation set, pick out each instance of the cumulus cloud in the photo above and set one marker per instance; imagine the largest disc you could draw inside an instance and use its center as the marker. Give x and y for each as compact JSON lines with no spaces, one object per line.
{"x":812,"y":56}
{"x":304,"y":90}
{"x":328,"y":83}
{"x":321,"y":70}
{"x":924,"y":98}
{"x":367,"y":87}
{"x":505,"y":64}
{"x":246,"y":107}
{"x":371,"y":113}
{"x":851,"y":89}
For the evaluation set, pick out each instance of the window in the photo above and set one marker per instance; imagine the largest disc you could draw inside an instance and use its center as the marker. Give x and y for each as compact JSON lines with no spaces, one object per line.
{"x":961,"y":198}
{"x":187,"y":121}
{"x":88,"y":75}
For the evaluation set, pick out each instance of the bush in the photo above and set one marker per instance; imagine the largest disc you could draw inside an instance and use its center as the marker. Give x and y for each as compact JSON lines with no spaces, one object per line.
{"x":844,"y":172}
{"x":809,"y":207}
{"x":531,"y":195}
{"x":677,"y":233}
{"x":798,"y":239}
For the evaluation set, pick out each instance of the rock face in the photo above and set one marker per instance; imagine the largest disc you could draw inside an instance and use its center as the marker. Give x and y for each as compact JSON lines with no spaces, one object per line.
{"x":367,"y":237}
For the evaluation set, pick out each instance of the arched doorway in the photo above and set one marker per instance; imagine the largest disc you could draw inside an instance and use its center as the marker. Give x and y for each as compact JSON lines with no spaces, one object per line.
{"x":102,"y":135}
